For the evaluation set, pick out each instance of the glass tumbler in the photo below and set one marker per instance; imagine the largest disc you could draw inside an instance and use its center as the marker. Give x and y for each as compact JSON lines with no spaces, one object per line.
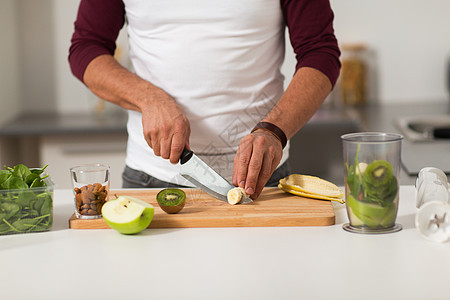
{"x":371,"y":168}
{"x":90,"y":189}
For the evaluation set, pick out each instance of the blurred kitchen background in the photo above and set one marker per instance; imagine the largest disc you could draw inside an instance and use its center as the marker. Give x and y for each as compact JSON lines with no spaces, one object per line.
{"x":49,"y":117}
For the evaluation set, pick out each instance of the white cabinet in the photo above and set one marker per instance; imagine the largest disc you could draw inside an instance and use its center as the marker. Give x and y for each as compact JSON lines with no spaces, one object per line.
{"x":61,"y":152}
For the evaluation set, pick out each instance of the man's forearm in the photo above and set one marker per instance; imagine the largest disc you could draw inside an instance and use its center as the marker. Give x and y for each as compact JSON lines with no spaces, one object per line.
{"x":303,"y":97}
{"x":109,"y":80}
{"x":165,"y":127}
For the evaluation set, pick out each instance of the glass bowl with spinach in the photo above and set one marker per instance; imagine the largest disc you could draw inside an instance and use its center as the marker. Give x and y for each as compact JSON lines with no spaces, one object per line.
{"x":372,"y":163}
{"x":26,"y":200}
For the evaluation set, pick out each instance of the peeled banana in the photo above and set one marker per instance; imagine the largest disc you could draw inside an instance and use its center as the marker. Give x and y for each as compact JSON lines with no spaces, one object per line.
{"x":311,"y":187}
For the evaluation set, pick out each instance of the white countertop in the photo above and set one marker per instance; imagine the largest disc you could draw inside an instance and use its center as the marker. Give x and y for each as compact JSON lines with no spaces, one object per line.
{"x":224,"y":263}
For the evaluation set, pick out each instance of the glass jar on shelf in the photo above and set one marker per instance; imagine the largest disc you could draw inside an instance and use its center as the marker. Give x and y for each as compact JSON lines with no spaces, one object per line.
{"x":353,"y":78}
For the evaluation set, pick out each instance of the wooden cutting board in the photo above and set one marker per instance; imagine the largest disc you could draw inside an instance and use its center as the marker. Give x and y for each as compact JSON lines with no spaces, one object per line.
{"x":273,"y":208}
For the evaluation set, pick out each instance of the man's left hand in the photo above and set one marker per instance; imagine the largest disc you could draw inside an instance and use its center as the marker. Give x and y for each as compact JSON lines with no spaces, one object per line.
{"x":258,"y":156}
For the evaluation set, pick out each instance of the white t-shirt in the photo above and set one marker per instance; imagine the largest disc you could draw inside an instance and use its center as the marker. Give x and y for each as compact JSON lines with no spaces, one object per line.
{"x":220,"y":61}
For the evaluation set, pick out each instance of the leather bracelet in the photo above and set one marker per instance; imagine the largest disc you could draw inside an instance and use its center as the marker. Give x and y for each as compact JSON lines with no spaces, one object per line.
{"x":273,"y":129}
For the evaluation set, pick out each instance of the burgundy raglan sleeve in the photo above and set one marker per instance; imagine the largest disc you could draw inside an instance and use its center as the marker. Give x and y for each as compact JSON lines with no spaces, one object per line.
{"x":95,"y":32}
{"x":310,"y":25}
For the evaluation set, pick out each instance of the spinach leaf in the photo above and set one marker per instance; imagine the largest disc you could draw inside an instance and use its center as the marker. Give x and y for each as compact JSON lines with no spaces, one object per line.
{"x":4,"y":228}
{"x":4,"y":175}
{"x":37,"y":204}
{"x":37,"y":183}
{"x":21,"y":171}
{"x":39,"y":171}
{"x":47,"y":206}
{"x":32,"y":213}
{"x":11,"y":227}
{"x":25,"y":198}
{"x":14,"y":182}
{"x":25,"y":224}
{"x":32,"y":177}
{"x":9,"y":208}
{"x":41,"y":227}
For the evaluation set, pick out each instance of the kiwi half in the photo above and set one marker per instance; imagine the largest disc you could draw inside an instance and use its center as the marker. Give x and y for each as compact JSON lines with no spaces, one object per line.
{"x":171,"y":200}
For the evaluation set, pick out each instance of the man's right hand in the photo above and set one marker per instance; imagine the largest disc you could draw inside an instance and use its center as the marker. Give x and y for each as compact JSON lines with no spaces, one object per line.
{"x":166,"y":128}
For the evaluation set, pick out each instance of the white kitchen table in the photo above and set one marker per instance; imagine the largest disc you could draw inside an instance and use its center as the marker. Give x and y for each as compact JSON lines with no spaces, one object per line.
{"x":224,"y":263}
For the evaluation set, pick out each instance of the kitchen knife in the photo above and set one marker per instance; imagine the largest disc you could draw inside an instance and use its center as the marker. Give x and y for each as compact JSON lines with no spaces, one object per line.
{"x":203,"y":176}
{"x":441,"y":132}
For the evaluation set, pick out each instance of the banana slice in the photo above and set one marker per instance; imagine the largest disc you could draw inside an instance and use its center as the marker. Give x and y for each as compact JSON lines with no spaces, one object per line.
{"x":236,"y":195}
{"x":361,"y":168}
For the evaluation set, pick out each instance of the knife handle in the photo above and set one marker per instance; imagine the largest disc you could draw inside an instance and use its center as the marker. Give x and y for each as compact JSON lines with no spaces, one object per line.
{"x":186,"y":155}
{"x":441,"y":132}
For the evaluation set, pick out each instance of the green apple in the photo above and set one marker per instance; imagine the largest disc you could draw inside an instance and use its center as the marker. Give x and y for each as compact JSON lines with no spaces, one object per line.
{"x":128,"y":215}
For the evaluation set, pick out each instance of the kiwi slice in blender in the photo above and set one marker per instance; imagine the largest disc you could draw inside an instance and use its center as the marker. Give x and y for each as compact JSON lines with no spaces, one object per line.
{"x":171,"y":200}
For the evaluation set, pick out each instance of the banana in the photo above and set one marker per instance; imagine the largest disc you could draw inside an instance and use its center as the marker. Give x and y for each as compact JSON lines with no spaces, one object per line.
{"x":311,"y":185}
{"x":236,"y":195}
{"x":361,"y":168}
{"x":307,"y":195}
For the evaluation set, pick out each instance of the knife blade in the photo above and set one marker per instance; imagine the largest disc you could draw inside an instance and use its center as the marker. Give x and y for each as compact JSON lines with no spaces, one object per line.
{"x":203,"y":176}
